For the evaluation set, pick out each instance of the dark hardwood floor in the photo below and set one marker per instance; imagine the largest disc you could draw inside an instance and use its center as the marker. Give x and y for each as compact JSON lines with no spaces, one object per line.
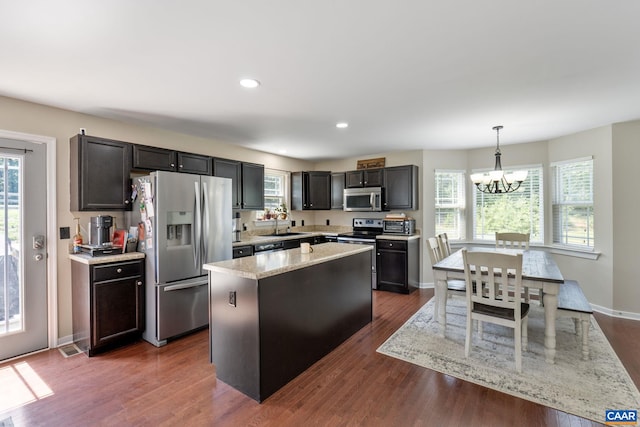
{"x":175,"y":385}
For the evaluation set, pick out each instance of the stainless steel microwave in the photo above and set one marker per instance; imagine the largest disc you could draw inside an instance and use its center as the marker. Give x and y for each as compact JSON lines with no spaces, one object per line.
{"x":363,"y":199}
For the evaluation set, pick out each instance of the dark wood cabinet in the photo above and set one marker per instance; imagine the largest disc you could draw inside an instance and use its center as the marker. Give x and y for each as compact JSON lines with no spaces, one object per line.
{"x":337,"y":190}
{"x":195,"y":163}
{"x":107,"y":304}
{"x":99,"y":172}
{"x":398,"y":265}
{"x":311,"y":190}
{"x":365,"y":178}
{"x":401,"y":188}
{"x":247,"y":182}
{"x":154,"y":158}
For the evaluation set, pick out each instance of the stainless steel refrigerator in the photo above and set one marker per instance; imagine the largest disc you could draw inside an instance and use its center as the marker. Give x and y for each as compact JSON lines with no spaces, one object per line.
{"x":184,"y":221}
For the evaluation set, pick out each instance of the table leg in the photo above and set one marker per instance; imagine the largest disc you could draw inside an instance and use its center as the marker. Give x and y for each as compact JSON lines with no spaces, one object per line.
{"x":550,"y":299}
{"x":441,"y":299}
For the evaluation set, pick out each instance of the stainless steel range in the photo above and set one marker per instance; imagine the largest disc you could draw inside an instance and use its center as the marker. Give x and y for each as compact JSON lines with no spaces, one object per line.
{"x":364,"y":232}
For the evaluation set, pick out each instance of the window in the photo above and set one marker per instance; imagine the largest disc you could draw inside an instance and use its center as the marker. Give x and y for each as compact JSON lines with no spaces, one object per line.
{"x":573,"y":203}
{"x":450,"y":203}
{"x":520,"y":212}
{"x":276,"y":190}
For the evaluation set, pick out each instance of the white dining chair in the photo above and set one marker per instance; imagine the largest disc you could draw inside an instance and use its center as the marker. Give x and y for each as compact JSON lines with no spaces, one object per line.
{"x":516,"y":241}
{"x":445,"y":246}
{"x":488,"y":300}
{"x":454,"y":287}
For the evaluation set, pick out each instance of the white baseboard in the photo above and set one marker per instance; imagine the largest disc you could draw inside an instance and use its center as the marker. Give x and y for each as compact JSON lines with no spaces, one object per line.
{"x":616,"y":313}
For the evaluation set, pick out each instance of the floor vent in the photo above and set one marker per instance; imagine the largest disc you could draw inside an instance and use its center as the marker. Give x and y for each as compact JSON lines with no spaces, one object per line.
{"x":68,"y":351}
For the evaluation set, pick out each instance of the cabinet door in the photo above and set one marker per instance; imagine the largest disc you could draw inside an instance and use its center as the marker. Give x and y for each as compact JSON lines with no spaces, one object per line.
{"x":194,"y":163}
{"x":373,"y":177}
{"x":117,"y":310}
{"x":252,"y":186}
{"x":99,"y":172}
{"x":354,"y":179}
{"x":337,"y":190}
{"x":392,"y":269}
{"x":319,"y":188}
{"x":117,"y":302}
{"x":401,"y":187}
{"x":153,"y":158}
{"x":230,"y":169}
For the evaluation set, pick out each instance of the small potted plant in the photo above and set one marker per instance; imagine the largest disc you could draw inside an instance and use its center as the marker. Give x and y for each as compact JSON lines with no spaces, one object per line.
{"x":282,"y":211}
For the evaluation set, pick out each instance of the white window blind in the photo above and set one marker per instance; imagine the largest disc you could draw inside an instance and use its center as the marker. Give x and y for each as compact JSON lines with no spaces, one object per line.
{"x":573,"y":203}
{"x":519,"y":212}
{"x":450,"y":203}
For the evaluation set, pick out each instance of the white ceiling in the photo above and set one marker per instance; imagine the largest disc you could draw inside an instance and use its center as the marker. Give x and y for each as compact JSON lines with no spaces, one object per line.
{"x":409,"y":74}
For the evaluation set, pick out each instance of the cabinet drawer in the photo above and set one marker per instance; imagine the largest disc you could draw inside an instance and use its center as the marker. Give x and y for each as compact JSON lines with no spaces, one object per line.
{"x":398,"y":245}
{"x":117,"y":271}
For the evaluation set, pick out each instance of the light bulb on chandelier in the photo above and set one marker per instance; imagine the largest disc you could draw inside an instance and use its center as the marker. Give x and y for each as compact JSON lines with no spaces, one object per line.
{"x":496,"y":181}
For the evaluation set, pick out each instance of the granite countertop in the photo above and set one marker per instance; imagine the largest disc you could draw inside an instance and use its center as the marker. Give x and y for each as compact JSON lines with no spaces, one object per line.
{"x":88,"y":259}
{"x":257,"y":239}
{"x":398,"y":236}
{"x":274,"y":263}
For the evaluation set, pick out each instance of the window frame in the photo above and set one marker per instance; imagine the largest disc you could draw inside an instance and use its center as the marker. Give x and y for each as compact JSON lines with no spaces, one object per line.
{"x":558,"y":237}
{"x":458,"y":204}
{"x":284,"y":196}
{"x":538,"y":169}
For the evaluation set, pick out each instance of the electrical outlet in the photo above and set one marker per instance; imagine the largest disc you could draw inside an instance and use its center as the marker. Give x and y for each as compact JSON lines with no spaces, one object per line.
{"x":302,"y":221}
{"x":293,"y":222}
{"x":83,"y":131}
{"x":65,"y":233}
{"x":328,"y":222}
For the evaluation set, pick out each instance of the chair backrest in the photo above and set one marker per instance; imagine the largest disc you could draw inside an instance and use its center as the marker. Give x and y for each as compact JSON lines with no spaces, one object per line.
{"x":487,"y":275}
{"x":434,"y":250}
{"x":512,"y":240}
{"x":445,"y":247}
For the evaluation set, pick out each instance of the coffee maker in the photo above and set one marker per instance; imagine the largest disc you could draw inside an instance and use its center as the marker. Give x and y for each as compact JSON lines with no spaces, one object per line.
{"x":100,"y":230}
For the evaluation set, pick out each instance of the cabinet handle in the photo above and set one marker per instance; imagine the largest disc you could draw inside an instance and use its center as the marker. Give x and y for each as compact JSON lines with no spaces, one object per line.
{"x":126,"y":202}
{"x":139,"y":282}
{"x":181,"y":166}
{"x":172,"y":164}
{"x":119,"y":270}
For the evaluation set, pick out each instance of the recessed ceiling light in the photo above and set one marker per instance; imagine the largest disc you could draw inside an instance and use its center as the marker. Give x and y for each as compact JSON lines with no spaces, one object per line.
{"x":249,"y":83}
{"x":342,"y":125}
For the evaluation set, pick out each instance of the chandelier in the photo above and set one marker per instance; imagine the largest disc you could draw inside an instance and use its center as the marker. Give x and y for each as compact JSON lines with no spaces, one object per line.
{"x":496,"y":181}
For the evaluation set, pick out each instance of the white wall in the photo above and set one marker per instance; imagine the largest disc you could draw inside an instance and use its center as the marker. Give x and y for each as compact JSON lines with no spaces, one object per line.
{"x":626,"y":209}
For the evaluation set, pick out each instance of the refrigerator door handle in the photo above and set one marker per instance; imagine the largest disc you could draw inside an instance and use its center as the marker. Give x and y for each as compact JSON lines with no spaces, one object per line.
{"x":196,"y":233}
{"x":206,"y":220}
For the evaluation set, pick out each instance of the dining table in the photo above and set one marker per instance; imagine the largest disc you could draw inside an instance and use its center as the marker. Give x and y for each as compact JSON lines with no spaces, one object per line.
{"x":539,"y":271}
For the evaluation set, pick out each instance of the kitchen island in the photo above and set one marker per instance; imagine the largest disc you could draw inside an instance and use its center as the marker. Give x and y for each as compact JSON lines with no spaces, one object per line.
{"x":273,"y":315}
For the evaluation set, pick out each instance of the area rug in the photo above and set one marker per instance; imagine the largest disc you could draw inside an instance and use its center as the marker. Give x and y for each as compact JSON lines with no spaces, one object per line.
{"x":582,"y":388}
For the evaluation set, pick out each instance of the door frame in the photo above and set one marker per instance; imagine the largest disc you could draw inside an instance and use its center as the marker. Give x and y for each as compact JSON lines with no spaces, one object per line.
{"x":52,"y":240}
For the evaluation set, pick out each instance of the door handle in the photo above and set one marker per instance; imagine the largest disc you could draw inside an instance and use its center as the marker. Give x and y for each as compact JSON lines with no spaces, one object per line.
{"x":38,"y":241}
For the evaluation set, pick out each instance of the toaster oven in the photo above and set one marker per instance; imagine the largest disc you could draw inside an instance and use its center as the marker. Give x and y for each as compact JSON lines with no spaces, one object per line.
{"x":399,"y":226}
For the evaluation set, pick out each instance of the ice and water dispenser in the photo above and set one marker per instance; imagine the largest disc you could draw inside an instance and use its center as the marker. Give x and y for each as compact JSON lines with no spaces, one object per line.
{"x":179,"y":228}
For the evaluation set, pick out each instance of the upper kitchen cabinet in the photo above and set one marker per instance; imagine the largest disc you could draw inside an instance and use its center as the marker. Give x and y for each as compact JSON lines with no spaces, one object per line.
{"x":365,"y":178}
{"x":311,"y":190}
{"x":247,"y":179}
{"x":401,"y":188}
{"x":337,"y":190}
{"x":99,"y":174}
{"x":162,"y":159}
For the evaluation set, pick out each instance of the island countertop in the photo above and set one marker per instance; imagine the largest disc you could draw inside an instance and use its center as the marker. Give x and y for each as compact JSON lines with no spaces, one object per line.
{"x":274,"y":263}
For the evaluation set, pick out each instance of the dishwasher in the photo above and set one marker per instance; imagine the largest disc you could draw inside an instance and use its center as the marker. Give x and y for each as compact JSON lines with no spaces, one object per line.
{"x":263,"y":248}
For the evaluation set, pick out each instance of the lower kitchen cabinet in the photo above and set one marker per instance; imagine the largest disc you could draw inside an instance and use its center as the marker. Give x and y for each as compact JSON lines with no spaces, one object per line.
{"x":398,"y":264}
{"x":107,"y":303}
